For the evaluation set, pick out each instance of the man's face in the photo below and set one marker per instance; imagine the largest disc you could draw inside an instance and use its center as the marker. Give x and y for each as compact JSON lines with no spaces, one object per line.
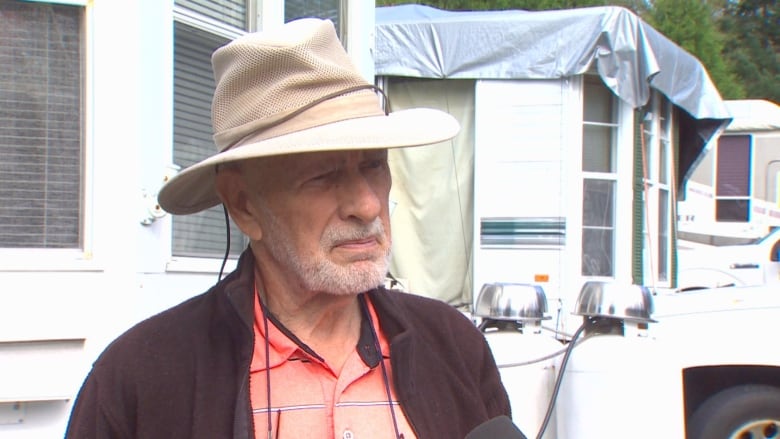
{"x":324,"y":217}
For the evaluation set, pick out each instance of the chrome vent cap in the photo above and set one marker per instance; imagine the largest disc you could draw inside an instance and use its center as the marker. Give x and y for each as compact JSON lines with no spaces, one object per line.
{"x":511,"y":301}
{"x":632,"y":303}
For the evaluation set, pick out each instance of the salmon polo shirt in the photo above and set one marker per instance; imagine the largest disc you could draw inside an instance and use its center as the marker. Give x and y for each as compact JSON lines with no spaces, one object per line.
{"x":310,"y":400}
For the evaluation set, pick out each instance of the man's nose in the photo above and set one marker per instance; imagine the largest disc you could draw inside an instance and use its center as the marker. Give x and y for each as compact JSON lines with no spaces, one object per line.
{"x":359,"y":198}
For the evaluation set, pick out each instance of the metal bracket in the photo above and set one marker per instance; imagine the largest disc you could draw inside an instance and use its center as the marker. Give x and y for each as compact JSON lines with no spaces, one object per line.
{"x":151,"y":210}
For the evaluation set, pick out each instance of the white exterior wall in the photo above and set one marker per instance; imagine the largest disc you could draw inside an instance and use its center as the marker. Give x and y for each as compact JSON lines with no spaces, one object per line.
{"x":520,"y":171}
{"x":60,"y":308}
{"x":527,"y":164}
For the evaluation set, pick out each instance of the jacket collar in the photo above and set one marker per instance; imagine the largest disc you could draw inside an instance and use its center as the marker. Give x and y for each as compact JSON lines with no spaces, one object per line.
{"x":238,"y":286}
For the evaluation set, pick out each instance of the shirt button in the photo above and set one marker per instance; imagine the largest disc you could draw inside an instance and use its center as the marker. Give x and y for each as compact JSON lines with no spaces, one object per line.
{"x":348,"y":435}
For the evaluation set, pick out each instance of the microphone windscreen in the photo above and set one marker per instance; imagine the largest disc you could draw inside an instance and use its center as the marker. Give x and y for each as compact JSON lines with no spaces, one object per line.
{"x":500,"y":427}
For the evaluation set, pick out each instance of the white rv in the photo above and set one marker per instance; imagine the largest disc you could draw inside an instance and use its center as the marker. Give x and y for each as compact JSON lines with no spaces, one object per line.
{"x":580,"y":128}
{"x":573,"y":148}
{"x":729,"y":219}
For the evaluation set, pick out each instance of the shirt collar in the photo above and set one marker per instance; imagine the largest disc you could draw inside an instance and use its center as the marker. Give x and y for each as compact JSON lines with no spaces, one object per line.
{"x":284,"y":344}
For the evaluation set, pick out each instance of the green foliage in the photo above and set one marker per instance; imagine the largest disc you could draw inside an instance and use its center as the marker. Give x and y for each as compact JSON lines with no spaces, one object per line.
{"x":691,"y":25}
{"x":753,"y":46}
{"x":738,"y":41}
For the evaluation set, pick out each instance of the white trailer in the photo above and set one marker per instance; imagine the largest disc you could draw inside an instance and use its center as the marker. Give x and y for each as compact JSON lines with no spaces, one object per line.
{"x":571,"y":154}
{"x":564,"y":179}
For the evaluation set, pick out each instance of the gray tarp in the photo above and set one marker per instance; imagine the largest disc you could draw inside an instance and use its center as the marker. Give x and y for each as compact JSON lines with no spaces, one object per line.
{"x":423,"y":42}
{"x":629,"y":55}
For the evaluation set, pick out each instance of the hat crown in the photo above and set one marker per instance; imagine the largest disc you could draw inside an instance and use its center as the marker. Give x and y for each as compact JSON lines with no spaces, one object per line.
{"x":290,"y":90}
{"x":262,"y":78}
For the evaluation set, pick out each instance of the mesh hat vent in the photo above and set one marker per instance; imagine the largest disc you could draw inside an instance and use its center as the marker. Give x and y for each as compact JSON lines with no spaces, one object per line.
{"x":256,"y":88}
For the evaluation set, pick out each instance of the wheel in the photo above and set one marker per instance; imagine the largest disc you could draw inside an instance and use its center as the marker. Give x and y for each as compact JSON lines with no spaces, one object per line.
{"x":742,"y":412}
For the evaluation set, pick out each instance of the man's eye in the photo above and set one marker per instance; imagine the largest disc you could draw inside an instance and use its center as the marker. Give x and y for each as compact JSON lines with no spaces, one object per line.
{"x":375,"y":164}
{"x":325,"y":176}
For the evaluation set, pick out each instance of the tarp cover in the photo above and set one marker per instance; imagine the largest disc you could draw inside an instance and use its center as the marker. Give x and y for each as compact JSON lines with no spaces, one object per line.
{"x":432,"y":188}
{"x":630,"y":56}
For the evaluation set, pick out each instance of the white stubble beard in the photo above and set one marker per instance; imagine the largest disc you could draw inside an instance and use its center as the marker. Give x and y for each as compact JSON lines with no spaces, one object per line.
{"x":318,"y":272}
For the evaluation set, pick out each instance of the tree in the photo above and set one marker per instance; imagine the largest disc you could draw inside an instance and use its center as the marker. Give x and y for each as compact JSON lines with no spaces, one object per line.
{"x":691,"y":24}
{"x":753,"y":45}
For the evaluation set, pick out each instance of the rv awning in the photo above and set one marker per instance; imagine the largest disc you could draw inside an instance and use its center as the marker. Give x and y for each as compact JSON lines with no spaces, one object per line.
{"x":630,"y":56}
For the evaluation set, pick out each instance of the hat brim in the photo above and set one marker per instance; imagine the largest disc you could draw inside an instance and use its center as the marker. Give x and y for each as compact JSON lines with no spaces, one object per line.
{"x":193,"y":189}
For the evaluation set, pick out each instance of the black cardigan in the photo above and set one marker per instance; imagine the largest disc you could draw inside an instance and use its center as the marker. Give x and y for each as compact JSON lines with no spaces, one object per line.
{"x":184,"y":372}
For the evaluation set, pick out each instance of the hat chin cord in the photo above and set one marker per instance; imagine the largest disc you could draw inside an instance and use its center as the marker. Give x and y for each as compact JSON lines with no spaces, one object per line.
{"x":227,"y":243}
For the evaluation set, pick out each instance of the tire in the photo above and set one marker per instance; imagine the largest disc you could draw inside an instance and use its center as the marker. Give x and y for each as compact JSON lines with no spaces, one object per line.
{"x":742,"y":412}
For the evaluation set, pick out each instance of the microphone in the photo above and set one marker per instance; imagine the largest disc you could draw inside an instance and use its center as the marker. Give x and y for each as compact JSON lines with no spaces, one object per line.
{"x":500,"y":427}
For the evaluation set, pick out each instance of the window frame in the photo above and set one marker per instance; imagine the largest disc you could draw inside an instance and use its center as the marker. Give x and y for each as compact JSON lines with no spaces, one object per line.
{"x":206,"y":263}
{"x":658,"y":179}
{"x":81,"y":257}
{"x":610,"y":175}
{"x":624,"y":160}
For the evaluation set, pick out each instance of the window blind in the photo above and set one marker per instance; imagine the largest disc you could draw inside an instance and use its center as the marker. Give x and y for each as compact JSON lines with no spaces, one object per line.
{"x":202,"y":234}
{"x":733,"y":166}
{"x":230,"y":12}
{"x":40,"y":125}
{"x":732,"y":189}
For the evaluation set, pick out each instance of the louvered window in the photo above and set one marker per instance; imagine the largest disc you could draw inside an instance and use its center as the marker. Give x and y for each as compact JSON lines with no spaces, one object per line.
{"x":40,"y":125}
{"x":229,"y":12}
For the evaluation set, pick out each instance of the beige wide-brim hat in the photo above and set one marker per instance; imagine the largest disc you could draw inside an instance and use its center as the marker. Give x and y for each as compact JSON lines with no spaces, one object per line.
{"x":292,"y":90}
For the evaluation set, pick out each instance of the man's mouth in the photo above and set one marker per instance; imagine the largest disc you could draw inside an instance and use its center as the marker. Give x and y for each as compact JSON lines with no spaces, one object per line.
{"x":358,"y":243}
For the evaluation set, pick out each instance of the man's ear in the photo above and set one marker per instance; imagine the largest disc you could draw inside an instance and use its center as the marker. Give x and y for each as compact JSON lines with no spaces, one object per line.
{"x":232,"y":190}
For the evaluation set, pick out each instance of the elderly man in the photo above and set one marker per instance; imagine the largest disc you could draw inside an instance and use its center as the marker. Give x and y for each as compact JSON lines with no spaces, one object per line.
{"x":301,"y":340}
